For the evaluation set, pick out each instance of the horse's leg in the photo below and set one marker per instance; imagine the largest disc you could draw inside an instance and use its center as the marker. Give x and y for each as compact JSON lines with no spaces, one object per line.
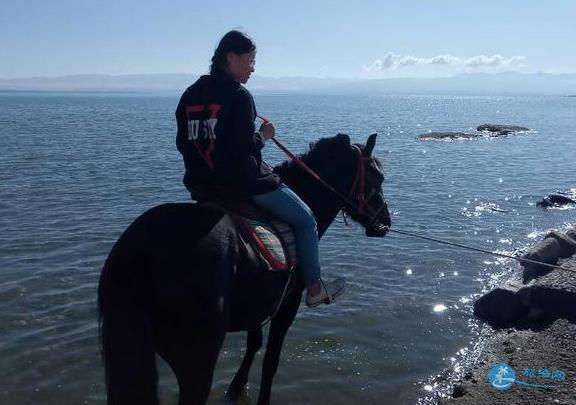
{"x":254,"y":343}
{"x":189,"y":337}
{"x":278,"y":328}
{"x":193,"y":361}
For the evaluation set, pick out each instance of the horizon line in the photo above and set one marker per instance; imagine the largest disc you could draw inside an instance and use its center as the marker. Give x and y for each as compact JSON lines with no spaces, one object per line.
{"x":73,"y":75}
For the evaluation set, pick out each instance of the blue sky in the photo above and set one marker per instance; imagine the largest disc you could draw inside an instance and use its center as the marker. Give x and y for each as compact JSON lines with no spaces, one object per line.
{"x":294,"y":38}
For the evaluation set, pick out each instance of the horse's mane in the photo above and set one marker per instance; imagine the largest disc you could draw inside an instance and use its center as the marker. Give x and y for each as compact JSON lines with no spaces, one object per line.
{"x":337,"y":146}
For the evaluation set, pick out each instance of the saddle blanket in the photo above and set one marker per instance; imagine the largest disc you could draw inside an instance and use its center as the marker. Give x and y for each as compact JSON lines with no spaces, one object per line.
{"x":272,"y":239}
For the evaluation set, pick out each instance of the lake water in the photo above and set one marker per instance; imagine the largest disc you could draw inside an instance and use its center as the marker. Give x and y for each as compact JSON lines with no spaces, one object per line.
{"x":77,"y":168}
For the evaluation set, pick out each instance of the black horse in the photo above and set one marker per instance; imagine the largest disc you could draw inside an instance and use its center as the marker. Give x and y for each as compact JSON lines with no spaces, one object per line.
{"x":180,"y":277}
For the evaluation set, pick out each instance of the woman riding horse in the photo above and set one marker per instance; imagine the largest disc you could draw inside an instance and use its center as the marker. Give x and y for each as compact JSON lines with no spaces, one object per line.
{"x":180,"y":277}
{"x":217,"y":138}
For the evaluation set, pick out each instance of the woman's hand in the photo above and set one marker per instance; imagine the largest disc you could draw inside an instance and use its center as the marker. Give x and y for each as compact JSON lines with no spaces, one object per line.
{"x":267,"y":130}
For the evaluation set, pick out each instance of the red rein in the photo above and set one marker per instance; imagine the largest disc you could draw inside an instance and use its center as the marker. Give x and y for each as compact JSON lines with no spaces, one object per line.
{"x":357,"y":185}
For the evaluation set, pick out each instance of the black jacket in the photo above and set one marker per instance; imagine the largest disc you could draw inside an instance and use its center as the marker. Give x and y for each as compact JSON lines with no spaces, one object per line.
{"x":218,"y":107}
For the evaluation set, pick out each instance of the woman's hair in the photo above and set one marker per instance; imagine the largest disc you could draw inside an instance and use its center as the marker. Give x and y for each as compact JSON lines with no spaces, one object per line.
{"x":233,"y":41}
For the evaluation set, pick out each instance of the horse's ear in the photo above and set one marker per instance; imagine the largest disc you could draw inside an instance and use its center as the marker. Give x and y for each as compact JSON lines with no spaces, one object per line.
{"x":345,"y":139}
{"x":370,"y":145}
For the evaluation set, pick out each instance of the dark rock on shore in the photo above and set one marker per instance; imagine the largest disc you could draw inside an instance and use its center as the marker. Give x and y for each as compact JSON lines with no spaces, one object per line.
{"x":501,"y":129}
{"x":500,"y":307}
{"x":516,"y":306}
{"x":551,"y":297}
{"x":553,"y":247}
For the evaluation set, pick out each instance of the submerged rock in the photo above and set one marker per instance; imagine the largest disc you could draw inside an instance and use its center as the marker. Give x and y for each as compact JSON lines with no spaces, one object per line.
{"x":501,"y":129}
{"x":447,"y":135}
{"x":484,"y":131}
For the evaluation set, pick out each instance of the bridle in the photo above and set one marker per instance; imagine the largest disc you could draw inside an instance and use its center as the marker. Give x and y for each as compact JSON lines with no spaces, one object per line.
{"x":358,"y":189}
{"x":360,"y":201}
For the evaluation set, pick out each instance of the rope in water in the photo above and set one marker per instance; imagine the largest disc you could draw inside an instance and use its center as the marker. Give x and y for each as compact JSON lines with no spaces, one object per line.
{"x":315,"y":175}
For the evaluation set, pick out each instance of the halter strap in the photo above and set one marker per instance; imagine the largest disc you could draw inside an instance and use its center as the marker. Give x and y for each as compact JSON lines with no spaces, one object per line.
{"x":358,"y":186}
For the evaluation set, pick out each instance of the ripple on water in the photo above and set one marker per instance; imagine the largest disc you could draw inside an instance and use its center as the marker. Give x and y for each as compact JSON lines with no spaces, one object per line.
{"x":77,"y":169}
{"x":482,"y":208}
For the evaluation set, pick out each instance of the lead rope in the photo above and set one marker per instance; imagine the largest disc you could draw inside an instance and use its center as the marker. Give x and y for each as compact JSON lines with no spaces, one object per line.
{"x":521,"y":259}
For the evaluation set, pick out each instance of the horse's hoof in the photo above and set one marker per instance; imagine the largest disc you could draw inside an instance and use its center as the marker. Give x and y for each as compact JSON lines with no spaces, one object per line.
{"x":234,"y":394}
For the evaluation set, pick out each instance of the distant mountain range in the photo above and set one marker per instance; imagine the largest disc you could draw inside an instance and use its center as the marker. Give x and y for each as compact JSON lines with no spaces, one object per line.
{"x":501,"y":83}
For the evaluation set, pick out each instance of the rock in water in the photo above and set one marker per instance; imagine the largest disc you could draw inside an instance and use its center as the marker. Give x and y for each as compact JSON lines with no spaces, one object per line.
{"x":555,"y":200}
{"x":501,"y":129}
{"x":447,"y":135}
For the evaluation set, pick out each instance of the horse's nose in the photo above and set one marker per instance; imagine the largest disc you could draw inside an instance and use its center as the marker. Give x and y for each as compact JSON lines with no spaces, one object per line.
{"x":377,"y":231}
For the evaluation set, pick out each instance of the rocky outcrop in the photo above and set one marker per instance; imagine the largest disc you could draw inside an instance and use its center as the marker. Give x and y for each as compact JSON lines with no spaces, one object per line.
{"x":556,"y":200}
{"x":500,"y":307}
{"x":501,"y":129}
{"x":483,"y":131}
{"x":554,"y":246}
{"x":447,"y":135}
{"x":545,"y":292}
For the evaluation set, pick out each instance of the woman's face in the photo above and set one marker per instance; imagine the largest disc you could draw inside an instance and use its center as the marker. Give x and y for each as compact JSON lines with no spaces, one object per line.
{"x":241,"y":66}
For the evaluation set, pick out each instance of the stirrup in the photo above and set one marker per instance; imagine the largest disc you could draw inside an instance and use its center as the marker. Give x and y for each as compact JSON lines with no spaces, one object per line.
{"x":328,"y":293}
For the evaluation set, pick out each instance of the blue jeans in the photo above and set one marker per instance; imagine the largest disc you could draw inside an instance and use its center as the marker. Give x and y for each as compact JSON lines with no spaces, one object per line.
{"x":288,"y":207}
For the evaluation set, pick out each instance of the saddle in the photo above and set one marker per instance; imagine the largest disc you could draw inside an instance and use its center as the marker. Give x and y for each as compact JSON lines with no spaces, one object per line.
{"x":271,"y":239}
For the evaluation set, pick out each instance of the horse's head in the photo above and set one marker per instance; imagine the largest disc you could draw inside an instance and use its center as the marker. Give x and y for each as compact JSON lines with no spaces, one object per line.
{"x":358,"y":176}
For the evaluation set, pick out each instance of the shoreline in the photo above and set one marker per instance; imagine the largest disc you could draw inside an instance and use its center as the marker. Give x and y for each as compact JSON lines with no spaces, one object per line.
{"x":540,"y":346}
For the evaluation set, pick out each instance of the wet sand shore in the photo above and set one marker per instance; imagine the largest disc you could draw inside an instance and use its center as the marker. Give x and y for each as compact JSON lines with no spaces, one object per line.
{"x":540,"y":348}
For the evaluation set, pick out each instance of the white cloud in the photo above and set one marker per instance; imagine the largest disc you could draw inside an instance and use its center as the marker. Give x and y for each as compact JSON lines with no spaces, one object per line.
{"x":494,"y":60}
{"x":444,"y":60}
{"x":392,"y":61}
{"x":383,"y":64}
{"x":408,"y":61}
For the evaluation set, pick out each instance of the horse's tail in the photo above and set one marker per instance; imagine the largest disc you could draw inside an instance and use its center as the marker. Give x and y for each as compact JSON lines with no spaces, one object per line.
{"x":126,"y":344}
